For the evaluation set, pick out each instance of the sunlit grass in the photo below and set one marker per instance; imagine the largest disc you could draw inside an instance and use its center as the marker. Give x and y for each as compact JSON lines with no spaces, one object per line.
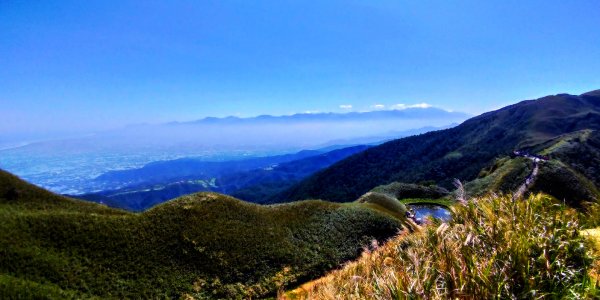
{"x":493,"y":248}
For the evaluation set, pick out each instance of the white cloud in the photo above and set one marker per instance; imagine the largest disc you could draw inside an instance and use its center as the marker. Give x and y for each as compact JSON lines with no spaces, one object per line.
{"x":378,"y":106}
{"x":402,"y":106}
{"x":311,"y":112}
{"x":346,"y":106}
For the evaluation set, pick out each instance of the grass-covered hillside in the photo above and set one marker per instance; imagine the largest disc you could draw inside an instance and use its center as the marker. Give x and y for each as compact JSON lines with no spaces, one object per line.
{"x":566,"y":184}
{"x":459,"y":152}
{"x":203,"y":245}
{"x":580,"y":150}
{"x":493,"y":248}
{"x":505,"y":175}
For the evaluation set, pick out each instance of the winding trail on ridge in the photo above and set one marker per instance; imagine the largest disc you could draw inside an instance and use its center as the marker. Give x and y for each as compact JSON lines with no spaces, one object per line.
{"x":529,"y":180}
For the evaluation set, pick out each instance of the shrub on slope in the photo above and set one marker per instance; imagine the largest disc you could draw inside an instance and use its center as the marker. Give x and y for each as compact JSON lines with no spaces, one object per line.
{"x":385,"y":201}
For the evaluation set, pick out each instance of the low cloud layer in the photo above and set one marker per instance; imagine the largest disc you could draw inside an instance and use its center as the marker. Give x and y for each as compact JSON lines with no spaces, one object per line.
{"x":399,"y":106}
{"x":402,"y":106}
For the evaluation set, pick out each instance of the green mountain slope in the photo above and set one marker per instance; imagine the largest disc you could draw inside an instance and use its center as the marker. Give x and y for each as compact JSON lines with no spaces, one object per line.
{"x":460,"y":152}
{"x":205,"y":245}
{"x":580,"y":150}
{"x":570,"y":174}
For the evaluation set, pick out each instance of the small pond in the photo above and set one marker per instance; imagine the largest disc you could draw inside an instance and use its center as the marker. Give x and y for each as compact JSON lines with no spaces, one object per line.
{"x":422,"y":211}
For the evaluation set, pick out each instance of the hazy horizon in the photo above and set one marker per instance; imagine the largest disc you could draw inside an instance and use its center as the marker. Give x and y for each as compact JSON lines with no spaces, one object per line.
{"x":70,"y":67}
{"x":12,"y":140}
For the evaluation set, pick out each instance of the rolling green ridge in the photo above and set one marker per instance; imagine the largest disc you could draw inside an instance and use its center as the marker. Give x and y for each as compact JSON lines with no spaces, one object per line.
{"x":564,"y":183}
{"x":205,"y":245}
{"x":460,"y":152}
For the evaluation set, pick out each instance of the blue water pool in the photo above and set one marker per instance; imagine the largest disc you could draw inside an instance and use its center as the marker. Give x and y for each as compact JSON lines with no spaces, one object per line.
{"x":422,"y":211}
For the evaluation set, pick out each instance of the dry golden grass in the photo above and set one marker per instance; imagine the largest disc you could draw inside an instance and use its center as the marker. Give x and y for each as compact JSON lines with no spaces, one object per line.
{"x":594,"y":236}
{"x":493,"y":248}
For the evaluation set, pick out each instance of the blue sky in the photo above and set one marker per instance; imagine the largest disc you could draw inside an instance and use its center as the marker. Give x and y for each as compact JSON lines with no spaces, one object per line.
{"x":68,"y":66}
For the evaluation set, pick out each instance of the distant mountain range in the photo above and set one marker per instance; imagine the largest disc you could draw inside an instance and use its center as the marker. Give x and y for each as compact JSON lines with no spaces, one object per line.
{"x":261,"y":131}
{"x":460,"y":152}
{"x":210,"y":139}
{"x":291,"y":132}
{"x":378,"y":115}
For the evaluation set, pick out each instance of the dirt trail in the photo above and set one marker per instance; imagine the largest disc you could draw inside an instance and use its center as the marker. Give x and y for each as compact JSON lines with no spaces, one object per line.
{"x":525,"y":186}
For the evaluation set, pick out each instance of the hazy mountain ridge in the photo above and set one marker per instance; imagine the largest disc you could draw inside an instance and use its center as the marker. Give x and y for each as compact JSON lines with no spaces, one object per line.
{"x":164,"y":171}
{"x":253,"y":180}
{"x":409,"y":113}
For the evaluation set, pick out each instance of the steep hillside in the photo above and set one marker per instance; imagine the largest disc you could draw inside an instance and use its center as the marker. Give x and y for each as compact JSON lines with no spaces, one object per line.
{"x":580,"y":150}
{"x":460,"y":152}
{"x":259,"y":185}
{"x":505,"y":175}
{"x":205,"y":245}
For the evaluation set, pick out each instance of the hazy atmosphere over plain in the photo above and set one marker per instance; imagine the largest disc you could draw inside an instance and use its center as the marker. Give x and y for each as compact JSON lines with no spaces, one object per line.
{"x":74,"y":67}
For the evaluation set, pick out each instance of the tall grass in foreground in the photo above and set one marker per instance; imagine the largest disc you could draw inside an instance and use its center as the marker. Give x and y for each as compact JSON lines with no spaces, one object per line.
{"x":493,"y":248}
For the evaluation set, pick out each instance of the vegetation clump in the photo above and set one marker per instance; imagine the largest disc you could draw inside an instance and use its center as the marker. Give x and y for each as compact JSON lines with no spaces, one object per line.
{"x":389,"y":203}
{"x":400,"y":190}
{"x":493,"y":248}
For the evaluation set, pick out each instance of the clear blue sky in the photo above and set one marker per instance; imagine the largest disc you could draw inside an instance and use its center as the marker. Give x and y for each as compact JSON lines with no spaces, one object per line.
{"x":84,"y":65}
